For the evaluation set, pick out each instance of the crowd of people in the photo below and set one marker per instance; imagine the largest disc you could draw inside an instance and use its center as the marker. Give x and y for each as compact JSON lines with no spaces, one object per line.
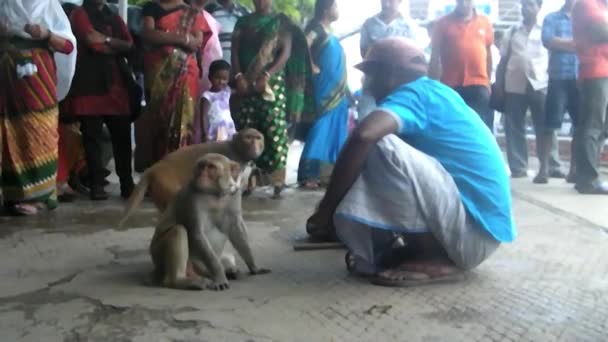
{"x":422,"y":164}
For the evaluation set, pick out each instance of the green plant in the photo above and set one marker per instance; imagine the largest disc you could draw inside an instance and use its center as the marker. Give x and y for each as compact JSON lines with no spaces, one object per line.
{"x":137,"y":2}
{"x":298,"y":10}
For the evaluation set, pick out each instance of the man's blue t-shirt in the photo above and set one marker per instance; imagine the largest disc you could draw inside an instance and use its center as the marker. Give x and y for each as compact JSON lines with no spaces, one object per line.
{"x":435,"y":120}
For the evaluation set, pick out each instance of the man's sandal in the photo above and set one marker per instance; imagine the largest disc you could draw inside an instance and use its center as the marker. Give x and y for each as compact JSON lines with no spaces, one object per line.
{"x":405,"y":278}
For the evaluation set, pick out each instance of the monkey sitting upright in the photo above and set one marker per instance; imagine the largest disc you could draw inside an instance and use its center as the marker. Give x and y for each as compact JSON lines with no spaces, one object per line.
{"x":195,"y":226}
{"x":165,"y":178}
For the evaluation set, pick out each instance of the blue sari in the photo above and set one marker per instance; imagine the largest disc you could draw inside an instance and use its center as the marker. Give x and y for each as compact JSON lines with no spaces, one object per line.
{"x":329,"y":132}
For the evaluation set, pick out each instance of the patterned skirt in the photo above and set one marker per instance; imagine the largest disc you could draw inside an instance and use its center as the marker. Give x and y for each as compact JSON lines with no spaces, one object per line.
{"x":28,"y":129}
{"x":268,"y":117}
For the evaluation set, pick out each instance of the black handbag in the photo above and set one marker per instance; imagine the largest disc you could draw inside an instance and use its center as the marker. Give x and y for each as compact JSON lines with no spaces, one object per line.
{"x":497,"y":98}
{"x":136,"y":92}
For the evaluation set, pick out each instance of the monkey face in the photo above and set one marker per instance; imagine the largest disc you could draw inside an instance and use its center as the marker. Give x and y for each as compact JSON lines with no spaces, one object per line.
{"x":250,"y":143}
{"x":216,"y":174}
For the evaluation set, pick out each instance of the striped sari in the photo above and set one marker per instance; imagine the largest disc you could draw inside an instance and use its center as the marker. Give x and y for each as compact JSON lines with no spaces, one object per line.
{"x":28,"y":125}
{"x":172,"y":77}
{"x":326,"y":137}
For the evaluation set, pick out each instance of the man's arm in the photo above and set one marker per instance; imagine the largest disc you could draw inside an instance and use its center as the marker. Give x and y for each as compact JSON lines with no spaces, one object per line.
{"x":489,"y":61}
{"x":365,"y":41}
{"x":435,"y":67}
{"x":489,"y":64}
{"x":553,"y":43}
{"x":348,"y":167}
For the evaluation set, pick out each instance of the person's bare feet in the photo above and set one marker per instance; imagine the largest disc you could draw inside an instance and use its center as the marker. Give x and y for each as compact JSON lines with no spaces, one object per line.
{"x":25,"y":209}
{"x":311,"y":185}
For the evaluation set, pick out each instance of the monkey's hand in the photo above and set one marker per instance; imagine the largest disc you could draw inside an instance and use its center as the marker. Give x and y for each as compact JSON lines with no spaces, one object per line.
{"x":219,"y":284}
{"x":259,"y":271}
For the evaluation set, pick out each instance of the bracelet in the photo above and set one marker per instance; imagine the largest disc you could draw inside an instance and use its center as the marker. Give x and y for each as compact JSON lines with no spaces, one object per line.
{"x":187,"y":39}
{"x":267,"y":74}
{"x":238,"y":76}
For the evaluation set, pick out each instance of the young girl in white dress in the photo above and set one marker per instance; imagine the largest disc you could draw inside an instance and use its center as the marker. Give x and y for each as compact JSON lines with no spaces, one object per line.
{"x":215,"y":103}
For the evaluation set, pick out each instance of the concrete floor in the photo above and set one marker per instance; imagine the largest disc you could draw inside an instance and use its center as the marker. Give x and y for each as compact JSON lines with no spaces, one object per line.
{"x":68,"y":276}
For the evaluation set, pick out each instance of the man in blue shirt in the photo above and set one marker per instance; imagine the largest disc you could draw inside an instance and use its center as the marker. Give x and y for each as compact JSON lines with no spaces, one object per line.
{"x":420,"y":191}
{"x":562,"y":93}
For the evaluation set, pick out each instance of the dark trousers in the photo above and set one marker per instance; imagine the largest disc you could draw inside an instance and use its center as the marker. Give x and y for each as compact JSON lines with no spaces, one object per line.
{"x":516,"y":109}
{"x":478,"y":98}
{"x":591,"y":132}
{"x":119,"y":127}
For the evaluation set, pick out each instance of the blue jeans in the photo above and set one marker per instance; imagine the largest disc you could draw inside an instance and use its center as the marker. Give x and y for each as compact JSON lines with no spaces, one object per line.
{"x":562,"y":96}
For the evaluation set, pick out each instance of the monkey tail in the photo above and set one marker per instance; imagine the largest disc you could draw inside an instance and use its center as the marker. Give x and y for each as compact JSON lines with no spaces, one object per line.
{"x":135,"y":200}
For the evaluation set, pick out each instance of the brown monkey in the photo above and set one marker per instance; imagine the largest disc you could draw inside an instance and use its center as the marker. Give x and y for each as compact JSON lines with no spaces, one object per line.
{"x":165,"y":178}
{"x":196,"y":225}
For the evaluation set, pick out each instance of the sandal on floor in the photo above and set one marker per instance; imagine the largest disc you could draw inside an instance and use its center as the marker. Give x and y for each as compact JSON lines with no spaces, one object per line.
{"x":571,"y":178}
{"x":540,"y":179}
{"x":403,"y":278}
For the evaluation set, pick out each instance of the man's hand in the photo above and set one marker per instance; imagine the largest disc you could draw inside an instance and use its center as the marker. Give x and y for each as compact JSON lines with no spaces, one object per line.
{"x":348,"y":167}
{"x":37,"y":32}
{"x":320,"y":226}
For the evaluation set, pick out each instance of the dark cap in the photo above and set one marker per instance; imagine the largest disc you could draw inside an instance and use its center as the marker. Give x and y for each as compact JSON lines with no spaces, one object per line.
{"x":395,"y":53}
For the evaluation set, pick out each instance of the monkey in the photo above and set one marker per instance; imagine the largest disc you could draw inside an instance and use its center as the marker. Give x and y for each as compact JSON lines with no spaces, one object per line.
{"x":165,"y":178}
{"x":195,"y":226}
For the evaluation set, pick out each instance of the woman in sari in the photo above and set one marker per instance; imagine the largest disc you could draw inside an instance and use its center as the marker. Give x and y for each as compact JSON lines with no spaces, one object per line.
{"x":271,"y":63}
{"x":329,"y":132}
{"x":173,"y":32}
{"x":99,"y":94}
{"x":32,"y":33}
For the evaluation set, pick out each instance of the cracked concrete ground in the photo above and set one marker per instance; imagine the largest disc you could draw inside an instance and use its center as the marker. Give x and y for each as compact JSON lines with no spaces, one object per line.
{"x":68,"y":276}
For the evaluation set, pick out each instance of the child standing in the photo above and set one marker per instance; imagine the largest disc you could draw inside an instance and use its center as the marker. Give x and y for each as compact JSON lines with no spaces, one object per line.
{"x":215,"y":103}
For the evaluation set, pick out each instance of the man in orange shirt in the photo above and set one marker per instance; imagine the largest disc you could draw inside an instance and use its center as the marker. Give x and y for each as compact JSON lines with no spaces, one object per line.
{"x":590,"y":30}
{"x":461,"y":56}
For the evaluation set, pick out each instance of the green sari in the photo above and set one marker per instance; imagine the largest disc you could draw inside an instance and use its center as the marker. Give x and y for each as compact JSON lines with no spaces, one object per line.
{"x":280,"y":116}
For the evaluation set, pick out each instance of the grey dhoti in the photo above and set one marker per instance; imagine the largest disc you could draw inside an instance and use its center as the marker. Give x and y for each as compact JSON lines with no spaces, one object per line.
{"x":404,"y":191}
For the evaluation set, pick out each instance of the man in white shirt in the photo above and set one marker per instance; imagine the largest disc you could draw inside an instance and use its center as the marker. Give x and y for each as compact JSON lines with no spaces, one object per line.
{"x":525,"y":86}
{"x":226,"y":12}
{"x":390,"y":22}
